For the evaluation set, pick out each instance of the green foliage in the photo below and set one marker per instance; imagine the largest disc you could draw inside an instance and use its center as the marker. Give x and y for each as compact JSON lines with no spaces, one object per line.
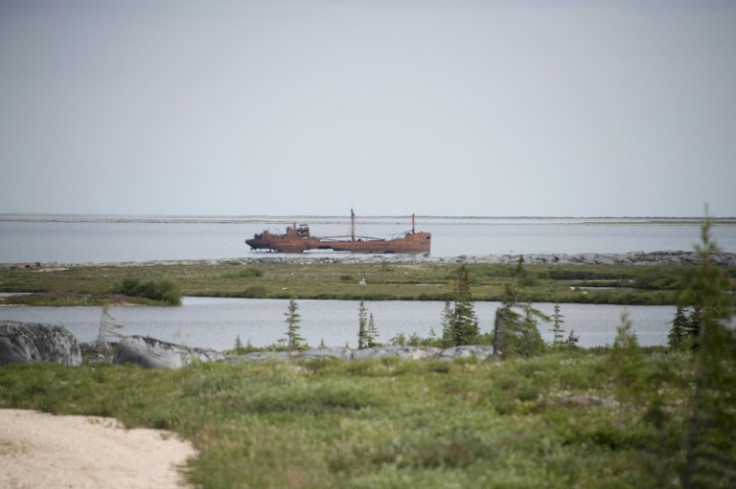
{"x":557,"y":331}
{"x":294,"y":341}
{"x":625,"y":366}
{"x":164,"y":291}
{"x":679,"y":336}
{"x":711,"y":448}
{"x":398,"y":424}
{"x":463,"y":322}
{"x":515,"y":330}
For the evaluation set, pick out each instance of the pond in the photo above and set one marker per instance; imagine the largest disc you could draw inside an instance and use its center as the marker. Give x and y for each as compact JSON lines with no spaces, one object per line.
{"x":217,"y":322}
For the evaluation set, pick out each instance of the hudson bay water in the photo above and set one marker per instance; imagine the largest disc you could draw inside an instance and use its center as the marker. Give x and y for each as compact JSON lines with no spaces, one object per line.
{"x":100,"y":239}
{"x":215,"y":323}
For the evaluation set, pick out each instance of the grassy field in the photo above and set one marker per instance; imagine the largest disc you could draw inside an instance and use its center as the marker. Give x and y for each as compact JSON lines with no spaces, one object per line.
{"x":613,"y":284}
{"x":394,"y":424}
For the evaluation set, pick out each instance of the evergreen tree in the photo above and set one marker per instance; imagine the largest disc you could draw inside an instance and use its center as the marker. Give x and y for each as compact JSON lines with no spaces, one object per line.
{"x":293,"y":318}
{"x":238,"y":344}
{"x":108,"y":331}
{"x":678,"y":335}
{"x":372,"y":332}
{"x":710,"y":445}
{"x":465,"y":329}
{"x":692,"y":328}
{"x":557,"y":331}
{"x":447,"y":337}
{"x":530,"y":341}
{"x":515,"y":327}
{"x":362,"y":326}
{"x":625,"y":364}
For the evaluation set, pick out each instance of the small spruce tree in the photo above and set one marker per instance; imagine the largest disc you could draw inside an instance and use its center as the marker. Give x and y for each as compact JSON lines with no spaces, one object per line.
{"x":557,"y":331}
{"x":710,"y":444}
{"x":464,"y":328}
{"x":372,"y":332}
{"x":362,"y":326}
{"x":515,"y":326}
{"x":108,"y":330}
{"x":625,"y":364}
{"x":294,"y":340}
{"x":447,"y":337}
{"x":678,"y":335}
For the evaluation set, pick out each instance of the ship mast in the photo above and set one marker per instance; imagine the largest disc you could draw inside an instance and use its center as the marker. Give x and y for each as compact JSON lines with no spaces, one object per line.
{"x":352,"y":225}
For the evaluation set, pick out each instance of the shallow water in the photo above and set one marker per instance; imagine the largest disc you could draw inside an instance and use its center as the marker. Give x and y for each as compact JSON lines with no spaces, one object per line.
{"x":216,"y":322}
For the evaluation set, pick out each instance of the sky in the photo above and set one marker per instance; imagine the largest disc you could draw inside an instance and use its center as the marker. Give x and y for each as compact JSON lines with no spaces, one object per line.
{"x":390,"y":107}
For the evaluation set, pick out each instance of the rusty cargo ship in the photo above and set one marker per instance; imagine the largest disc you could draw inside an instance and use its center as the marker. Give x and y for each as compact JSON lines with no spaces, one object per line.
{"x":298,"y":239}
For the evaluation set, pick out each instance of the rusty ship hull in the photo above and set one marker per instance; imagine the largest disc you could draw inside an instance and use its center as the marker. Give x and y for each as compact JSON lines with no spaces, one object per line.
{"x":299,"y":239}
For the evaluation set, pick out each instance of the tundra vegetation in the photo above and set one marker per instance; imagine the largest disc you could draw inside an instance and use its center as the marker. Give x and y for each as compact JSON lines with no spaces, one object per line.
{"x":556,"y":416}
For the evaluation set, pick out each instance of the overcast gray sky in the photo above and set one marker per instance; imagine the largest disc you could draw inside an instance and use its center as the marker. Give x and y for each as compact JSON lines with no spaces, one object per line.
{"x":495,"y":107}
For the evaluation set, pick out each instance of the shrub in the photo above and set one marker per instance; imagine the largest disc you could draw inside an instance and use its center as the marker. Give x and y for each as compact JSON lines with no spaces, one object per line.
{"x":165,"y":291}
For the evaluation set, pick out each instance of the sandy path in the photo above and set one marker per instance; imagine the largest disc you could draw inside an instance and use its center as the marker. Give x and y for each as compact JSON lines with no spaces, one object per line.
{"x":39,"y":450}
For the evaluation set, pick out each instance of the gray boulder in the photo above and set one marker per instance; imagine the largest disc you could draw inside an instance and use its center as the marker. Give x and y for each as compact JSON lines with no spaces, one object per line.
{"x":465,"y":351}
{"x":153,"y":353}
{"x":33,"y":342}
{"x":341,"y":353}
{"x":265,"y":356}
{"x":402,"y":352}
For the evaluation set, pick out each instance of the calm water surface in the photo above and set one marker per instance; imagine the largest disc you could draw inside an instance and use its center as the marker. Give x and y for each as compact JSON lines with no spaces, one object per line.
{"x":215,"y":322}
{"x":175,"y":239}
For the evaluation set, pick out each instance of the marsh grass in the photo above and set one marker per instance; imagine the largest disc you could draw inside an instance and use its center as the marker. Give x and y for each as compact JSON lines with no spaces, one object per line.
{"x":543,"y":283}
{"x":387,"y":423}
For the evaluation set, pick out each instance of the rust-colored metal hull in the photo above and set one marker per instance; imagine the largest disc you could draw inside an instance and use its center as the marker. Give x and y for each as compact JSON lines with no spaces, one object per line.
{"x":297,"y":240}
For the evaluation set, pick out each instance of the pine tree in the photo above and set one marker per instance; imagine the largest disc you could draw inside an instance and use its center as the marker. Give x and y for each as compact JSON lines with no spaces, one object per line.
{"x":625,"y":364}
{"x":464,"y":329}
{"x":530,"y":341}
{"x":678,"y":335}
{"x":557,"y":331}
{"x":515,"y":327}
{"x":372,"y":332}
{"x":362,"y":326}
{"x":447,"y":338}
{"x":710,"y":445}
{"x":293,"y":318}
{"x":107,"y":330}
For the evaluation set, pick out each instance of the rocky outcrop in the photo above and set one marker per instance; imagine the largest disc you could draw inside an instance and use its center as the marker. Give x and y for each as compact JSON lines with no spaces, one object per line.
{"x":631,"y":258}
{"x":401,"y":352}
{"x":33,"y":342}
{"x":153,"y":353}
{"x":327,"y":353}
{"x":374,"y":353}
{"x":466,"y":351}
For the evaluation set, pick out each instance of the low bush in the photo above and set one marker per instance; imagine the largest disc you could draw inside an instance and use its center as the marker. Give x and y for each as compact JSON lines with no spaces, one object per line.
{"x":162,"y":291}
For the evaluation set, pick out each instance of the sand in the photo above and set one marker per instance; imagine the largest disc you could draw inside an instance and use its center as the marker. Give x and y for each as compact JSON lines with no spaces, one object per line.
{"x":39,"y":450}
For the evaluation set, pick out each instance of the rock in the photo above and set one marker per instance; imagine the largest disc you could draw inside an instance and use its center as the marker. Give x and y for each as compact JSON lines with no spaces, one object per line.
{"x":264,"y":356}
{"x":153,"y":353}
{"x":33,"y":342}
{"x":465,"y":351}
{"x":402,"y":352}
{"x":327,"y":352}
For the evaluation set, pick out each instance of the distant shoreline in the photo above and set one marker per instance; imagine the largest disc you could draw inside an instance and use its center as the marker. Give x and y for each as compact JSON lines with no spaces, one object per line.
{"x":657,"y":258}
{"x":423,"y":220}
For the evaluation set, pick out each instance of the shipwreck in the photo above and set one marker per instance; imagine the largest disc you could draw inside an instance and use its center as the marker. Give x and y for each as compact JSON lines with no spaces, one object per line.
{"x":298,"y":239}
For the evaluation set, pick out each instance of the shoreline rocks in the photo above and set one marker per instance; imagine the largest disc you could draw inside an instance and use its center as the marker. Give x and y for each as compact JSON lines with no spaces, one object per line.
{"x":35,"y":342}
{"x":152,"y":353}
{"x":652,"y":258}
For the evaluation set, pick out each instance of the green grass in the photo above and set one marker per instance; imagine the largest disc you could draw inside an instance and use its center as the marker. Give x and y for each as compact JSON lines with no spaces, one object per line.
{"x":389,"y":423}
{"x":635,"y":285}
